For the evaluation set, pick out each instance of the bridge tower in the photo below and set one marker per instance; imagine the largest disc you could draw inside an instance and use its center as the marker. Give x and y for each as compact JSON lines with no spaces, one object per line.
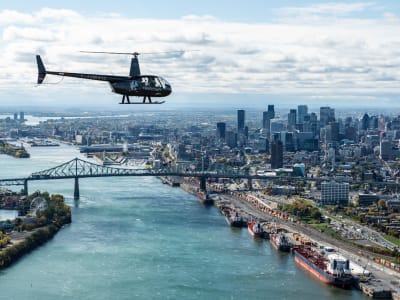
{"x":76,"y":188}
{"x":203,"y":185}
{"x":250,"y":183}
{"x":25,"y":192}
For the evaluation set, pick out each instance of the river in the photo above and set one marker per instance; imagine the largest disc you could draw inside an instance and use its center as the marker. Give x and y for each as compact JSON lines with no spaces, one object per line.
{"x":135,"y":238}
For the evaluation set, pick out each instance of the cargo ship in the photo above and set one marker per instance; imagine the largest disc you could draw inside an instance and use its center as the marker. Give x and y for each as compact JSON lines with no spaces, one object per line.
{"x":256,"y":229}
{"x":332,"y":269}
{"x":280,"y":241}
{"x":205,"y":198}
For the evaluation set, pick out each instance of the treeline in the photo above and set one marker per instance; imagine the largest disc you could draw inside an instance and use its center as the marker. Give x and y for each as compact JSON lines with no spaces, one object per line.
{"x":37,"y":238}
{"x":303,"y":209}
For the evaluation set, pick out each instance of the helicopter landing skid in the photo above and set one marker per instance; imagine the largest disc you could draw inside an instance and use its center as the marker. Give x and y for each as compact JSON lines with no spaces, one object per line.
{"x":128,"y":101}
{"x":153,"y":102}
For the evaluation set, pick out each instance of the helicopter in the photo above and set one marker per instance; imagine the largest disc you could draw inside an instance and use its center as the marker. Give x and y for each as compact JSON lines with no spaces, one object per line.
{"x":146,"y":86}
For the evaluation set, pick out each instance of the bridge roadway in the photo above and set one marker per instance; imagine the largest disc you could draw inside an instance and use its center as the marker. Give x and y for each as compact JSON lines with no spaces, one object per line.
{"x":78,"y":168}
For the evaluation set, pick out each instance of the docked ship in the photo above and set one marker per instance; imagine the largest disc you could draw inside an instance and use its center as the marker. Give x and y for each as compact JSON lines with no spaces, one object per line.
{"x":256,"y":229}
{"x":43,"y":143}
{"x":233,"y":218}
{"x":205,"y":198}
{"x":332,"y":269}
{"x":280,"y":241}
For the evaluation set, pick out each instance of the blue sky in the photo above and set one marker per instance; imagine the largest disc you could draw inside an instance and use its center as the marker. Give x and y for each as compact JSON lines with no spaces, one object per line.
{"x":319,"y":52}
{"x":247,"y":11}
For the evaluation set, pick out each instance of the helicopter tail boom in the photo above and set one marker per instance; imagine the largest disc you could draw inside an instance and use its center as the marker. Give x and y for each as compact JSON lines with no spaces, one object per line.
{"x":41,"y":69}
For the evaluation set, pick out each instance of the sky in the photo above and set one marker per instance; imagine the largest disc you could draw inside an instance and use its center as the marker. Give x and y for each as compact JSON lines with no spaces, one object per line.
{"x":239,"y":54}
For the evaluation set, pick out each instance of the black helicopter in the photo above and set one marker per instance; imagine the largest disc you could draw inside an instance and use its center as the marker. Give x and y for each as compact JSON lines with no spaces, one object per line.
{"x":135,"y":84}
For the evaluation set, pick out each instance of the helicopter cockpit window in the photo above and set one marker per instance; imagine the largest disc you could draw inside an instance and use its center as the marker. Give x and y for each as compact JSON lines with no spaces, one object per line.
{"x":154,"y":82}
{"x":151,"y":81}
{"x":163,"y":82}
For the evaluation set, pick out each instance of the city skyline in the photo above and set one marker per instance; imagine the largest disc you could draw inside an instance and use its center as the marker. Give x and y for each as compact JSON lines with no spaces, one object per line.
{"x":313,"y":52}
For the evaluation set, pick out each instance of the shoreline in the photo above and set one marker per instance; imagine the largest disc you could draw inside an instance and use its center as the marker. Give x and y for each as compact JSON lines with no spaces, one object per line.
{"x":25,"y":242}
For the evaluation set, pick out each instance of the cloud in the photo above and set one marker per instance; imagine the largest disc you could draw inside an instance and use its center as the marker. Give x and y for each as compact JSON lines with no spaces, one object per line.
{"x":345,"y":55}
{"x":328,"y":9}
{"x":14,"y":17}
{"x":13,"y":33}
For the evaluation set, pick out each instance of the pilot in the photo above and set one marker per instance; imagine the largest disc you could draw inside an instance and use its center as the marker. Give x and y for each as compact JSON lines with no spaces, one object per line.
{"x":152,"y":82}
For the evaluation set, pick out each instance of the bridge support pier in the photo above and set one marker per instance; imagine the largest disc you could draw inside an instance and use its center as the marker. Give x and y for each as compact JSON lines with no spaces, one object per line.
{"x":203,"y":185}
{"x":250,"y":183}
{"x":76,"y":189}
{"x":25,"y":192}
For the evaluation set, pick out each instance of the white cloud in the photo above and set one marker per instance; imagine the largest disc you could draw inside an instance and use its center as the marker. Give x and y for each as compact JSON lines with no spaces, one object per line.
{"x":345,"y":55}
{"x":14,"y":17}
{"x":332,"y":8}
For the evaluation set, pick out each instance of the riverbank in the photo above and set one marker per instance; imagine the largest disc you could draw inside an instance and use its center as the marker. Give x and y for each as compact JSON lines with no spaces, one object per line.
{"x":25,"y":243}
{"x":384,"y":282}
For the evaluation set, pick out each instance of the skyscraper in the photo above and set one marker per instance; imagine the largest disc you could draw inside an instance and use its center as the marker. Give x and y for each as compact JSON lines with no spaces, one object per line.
{"x":271,"y":110}
{"x":240,"y":120}
{"x":276,"y":154}
{"x":326,"y":115}
{"x":221,"y":129}
{"x":302,"y":111}
{"x":292,"y":120}
{"x":267,"y":117}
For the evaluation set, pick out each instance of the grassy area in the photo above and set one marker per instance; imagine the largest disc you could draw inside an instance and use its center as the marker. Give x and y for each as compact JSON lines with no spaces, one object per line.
{"x":324,"y":228}
{"x":392,"y":239}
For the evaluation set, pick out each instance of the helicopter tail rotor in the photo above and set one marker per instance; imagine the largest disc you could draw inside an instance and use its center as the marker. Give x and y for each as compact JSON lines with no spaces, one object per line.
{"x":41,"y":69}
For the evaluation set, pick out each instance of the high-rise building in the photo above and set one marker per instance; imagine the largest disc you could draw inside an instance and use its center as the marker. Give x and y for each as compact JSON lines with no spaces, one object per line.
{"x":271,"y":110}
{"x":385,"y":148}
{"x":15,"y":116}
{"x":292,"y":118}
{"x":267,"y":117}
{"x":266,"y":121}
{"x":334,"y":193}
{"x":240,"y":120}
{"x":21,"y":116}
{"x":365,"y":122}
{"x":221,"y":129}
{"x":302,"y":111}
{"x":326,"y":115}
{"x":276,"y":154}
{"x":231,"y":139}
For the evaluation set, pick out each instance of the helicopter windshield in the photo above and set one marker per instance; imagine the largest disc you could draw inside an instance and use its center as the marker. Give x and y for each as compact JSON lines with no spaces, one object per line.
{"x":163,"y":82}
{"x":154,"y":82}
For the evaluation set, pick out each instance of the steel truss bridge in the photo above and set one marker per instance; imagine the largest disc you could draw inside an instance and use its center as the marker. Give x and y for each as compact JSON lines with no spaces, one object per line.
{"x":78,"y":168}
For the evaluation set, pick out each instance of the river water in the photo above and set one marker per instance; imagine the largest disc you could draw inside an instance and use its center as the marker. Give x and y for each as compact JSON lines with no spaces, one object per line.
{"x":135,"y":238}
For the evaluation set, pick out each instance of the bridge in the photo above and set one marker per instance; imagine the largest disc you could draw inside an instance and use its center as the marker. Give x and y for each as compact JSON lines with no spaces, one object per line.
{"x":78,"y":168}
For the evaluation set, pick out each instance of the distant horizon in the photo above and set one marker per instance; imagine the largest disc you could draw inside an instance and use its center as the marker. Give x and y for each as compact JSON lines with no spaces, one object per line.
{"x":211,"y":107}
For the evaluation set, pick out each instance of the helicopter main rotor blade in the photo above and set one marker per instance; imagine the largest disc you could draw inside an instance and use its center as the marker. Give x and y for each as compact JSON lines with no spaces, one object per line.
{"x":137,"y":53}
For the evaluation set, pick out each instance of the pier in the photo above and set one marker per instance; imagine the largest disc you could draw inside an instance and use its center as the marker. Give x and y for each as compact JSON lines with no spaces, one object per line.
{"x":376,"y":289}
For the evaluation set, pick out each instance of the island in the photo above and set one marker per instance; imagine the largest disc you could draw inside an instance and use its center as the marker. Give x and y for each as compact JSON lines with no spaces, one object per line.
{"x":46,"y":216}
